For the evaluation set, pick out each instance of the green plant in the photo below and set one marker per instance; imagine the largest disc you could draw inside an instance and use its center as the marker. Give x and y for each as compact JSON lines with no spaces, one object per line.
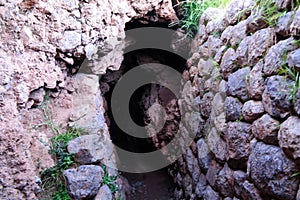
{"x":110,"y":181}
{"x":295,"y":174}
{"x":192,"y":11}
{"x":52,"y":178}
{"x":269,"y":11}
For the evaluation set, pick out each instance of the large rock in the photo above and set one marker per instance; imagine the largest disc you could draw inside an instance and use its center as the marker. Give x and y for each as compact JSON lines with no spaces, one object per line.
{"x":237,"y":84}
{"x":104,"y":193}
{"x":242,"y":51}
{"x":271,"y":171}
{"x":201,"y":186}
{"x":89,"y":149}
{"x":238,"y":137}
{"x":210,"y":194}
{"x":233,"y":108}
{"x":274,"y":60}
{"x":289,"y":137}
{"x":204,"y":155}
{"x":217,"y":145}
{"x":260,"y":42}
{"x":283,"y":25}
{"x":210,"y":47}
{"x":84,"y":182}
{"x":277,"y":97}
{"x":252,"y":110}
{"x":293,"y":59}
{"x":266,"y":129}
{"x":256,"y":82}
{"x":225,"y":182}
{"x":212,"y":174}
{"x":236,"y":7}
{"x":294,"y":28}
{"x":228,"y":63}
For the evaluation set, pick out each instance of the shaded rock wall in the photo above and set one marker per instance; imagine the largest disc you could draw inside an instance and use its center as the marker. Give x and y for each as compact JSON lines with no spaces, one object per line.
{"x":41,"y":43}
{"x":249,"y":146}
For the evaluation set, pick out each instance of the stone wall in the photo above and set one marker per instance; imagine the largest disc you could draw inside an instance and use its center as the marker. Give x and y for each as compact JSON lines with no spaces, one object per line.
{"x":249,"y":146}
{"x":41,"y":44}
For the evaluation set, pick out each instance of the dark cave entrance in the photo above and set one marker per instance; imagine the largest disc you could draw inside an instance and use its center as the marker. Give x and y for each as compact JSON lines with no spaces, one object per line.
{"x":151,"y":185}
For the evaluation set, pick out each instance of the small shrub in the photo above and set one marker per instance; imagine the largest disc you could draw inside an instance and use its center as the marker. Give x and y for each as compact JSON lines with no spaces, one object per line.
{"x":52,"y":178}
{"x":110,"y":181}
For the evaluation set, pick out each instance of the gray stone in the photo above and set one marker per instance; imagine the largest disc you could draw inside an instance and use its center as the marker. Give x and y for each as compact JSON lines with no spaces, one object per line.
{"x":289,"y":137}
{"x":217,"y":145}
{"x":210,"y":47}
{"x":238,"y":137}
{"x":84,"y":182}
{"x":220,"y":53}
{"x":293,"y":59}
{"x":256,"y":21}
{"x":71,"y":39}
{"x":201,"y":186}
{"x":104,"y":193}
{"x":283,"y":25}
{"x":225,"y":182}
{"x":242,"y":52}
{"x":88,"y":149}
{"x":204,"y":156}
{"x":271,"y":171}
{"x":212,"y":174}
{"x":239,"y":178}
{"x":252,"y":110}
{"x":295,"y":26}
{"x":234,"y":34}
{"x":256,"y":82}
{"x":274,"y":59}
{"x":233,"y":108}
{"x":283,"y":4}
{"x":260,"y":42}
{"x":266,"y":129}
{"x":210,"y":194}
{"x":249,"y":191}
{"x":228,"y":63}
{"x":236,"y":7}
{"x":277,"y":96}
{"x":206,"y":104}
{"x":237,"y":84}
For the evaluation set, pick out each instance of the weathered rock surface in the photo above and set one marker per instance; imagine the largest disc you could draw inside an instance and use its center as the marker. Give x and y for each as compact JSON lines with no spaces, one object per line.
{"x":297,"y":102}
{"x":252,"y":110}
{"x":271,"y":172}
{"x":259,"y":44}
{"x":84,"y":182}
{"x":228,"y":63}
{"x":225,"y":182}
{"x":289,"y":137}
{"x":204,"y":155}
{"x":233,"y":108}
{"x":255,"y":82}
{"x":88,"y":149}
{"x":294,"y":28}
{"x":293,"y":59}
{"x":104,"y":193}
{"x":266,"y":129}
{"x":277,"y":96}
{"x":274,"y":59}
{"x":238,"y":137}
{"x":237,"y":84}
{"x":283,"y":25}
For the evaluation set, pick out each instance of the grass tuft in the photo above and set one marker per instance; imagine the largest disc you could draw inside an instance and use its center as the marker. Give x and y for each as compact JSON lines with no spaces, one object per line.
{"x":52,"y":178}
{"x":192,"y":11}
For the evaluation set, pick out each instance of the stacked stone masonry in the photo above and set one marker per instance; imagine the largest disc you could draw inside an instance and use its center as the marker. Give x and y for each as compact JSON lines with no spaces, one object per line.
{"x":250,"y":145}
